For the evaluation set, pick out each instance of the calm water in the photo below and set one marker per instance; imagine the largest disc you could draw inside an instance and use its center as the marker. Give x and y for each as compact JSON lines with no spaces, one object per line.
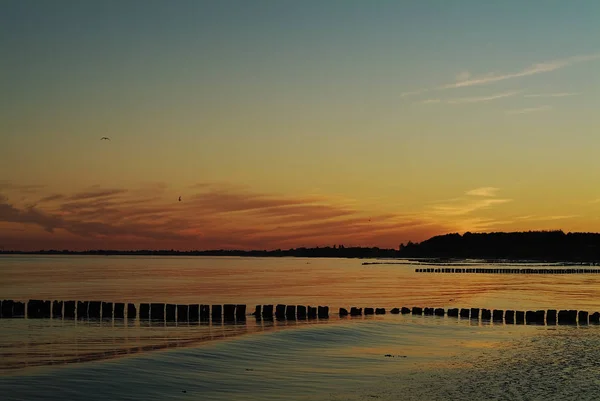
{"x":336,"y":359}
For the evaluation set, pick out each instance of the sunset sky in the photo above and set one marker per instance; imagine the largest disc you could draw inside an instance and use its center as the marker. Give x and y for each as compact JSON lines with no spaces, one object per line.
{"x":285,"y":124}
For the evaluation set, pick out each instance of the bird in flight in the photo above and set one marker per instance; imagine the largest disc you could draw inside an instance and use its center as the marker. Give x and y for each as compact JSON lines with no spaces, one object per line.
{"x":180,"y":199}
{"x":105,"y":138}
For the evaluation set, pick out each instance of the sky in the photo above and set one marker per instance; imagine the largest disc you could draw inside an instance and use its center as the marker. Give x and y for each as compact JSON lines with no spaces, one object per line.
{"x":286,"y":124}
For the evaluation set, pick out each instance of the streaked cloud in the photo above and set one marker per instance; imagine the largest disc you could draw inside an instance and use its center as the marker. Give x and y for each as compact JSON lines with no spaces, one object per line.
{"x":548,"y":95}
{"x":212,"y":216}
{"x":479,"y":99}
{"x":466,"y":79}
{"x":534,"y":69}
{"x":476,"y":99}
{"x":528,"y":110}
{"x":483,"y":191}
{"x":467,"y":207}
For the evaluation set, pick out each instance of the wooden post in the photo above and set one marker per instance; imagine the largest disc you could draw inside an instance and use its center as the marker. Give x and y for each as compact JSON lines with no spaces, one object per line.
{"x":216,"y":313}
{"x":498,"y":315}
{"x":107,"y":310}
{"x":157,"y":311}
{"x":595,"y":318}
{"x":551,"y":317}
{"x":343,"y":312}
{"x":119,"y":310}
{"x":229,"y":312}
{"x":194,"y":312}
{"x":95,"y":309}
{"x":82,"y":309}
{"x":380,"y":311}
{"x":7,"y":308}
{"x":509,"y":317}
{"x":567,"y":317}
{"x":453,"y":312}
{"x":395,"y":311}
{"x":131,"y":311}
{"x":19,"y":309}
{"x":428,"y":311}
{"x":69,"y":310}
{"x":369,"y":311}
{"x":404,"y":310}
{"x":144,"y":311}
{"x":182,"y":313}
{"x":290,"y":312}
{"x":257,"y":311}
{"x":439,"y":312}
{"x":582,"y":317}
{"x":301,"y":311}
{"x":57,"y":309}
{"x":204,"y":313}
{"x":464,"y":313}
{"x":170,"y":312}
{"x":312,"y":312}
{"x":280,"y":311}
{"x":267,"y":312}
{"x":486,"y":314}
{"x":323,"y":312}
{"x":240,"y":313}
{"x":520,"y":317}
{"x":354,"y":311}
{"x":417,"y":311}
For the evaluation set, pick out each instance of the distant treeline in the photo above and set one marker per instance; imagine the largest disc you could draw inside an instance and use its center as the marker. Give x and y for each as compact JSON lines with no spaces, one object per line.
{"x":319,"y":252}
{"x":531,"y":245}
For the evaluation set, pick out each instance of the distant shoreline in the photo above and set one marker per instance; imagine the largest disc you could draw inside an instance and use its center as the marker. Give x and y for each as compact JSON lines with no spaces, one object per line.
{"x":499,"y":247}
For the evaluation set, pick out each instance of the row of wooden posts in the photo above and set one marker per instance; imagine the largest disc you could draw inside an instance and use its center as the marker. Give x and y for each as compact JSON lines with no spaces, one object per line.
{"x":236,"y":312}
{"x":488,"y":270}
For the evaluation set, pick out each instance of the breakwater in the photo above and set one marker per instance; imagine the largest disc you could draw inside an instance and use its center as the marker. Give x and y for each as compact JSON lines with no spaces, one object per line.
{"x":39,"y":309}
{"x":496,"y":270}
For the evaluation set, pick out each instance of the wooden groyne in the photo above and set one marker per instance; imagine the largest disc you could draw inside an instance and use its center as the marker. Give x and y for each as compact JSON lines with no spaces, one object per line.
{"x":166,"y":312}
{"x":495,"y":270}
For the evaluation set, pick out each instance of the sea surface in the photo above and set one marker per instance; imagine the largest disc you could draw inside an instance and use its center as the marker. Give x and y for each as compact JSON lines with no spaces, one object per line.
{"x":384,"y":357}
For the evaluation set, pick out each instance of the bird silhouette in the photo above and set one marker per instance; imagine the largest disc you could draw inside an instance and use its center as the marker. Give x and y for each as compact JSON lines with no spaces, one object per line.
{"x":105,"y":138}
{"x":180,"y":199}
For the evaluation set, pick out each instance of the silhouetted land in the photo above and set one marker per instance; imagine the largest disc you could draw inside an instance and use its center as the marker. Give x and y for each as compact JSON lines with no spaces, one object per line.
{"x":514,"y":246}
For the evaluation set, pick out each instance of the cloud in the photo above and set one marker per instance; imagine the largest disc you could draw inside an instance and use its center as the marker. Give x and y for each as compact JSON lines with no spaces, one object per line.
{"x":481,"y":98}
{"x":528,"y":110}
{"x":531,"y":70}
{"x":478,"y":199}
{"x":213,"y":216}
{"x":467,"y":207}
{"x":97,"y":194}
{"x":483,"y":191}
{"x":546,"y":95}
{"x":477,"y":99}
{"x":466,"y":79}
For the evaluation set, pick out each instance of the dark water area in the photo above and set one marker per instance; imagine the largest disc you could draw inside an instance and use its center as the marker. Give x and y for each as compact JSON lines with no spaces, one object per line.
{"x":376,"y":357}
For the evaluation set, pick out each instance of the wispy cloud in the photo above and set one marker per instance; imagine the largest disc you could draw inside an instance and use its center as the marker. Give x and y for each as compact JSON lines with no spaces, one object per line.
{"x":483,"y":191}
{"x":547,"y":218}
{"x":467,"y":207}
{"x":466,"y":79}
{"x":211,"y":216}
{"x":476,"y":99}
{"x":528,"y":110}
{"x":531,"y":70}
{"x":559,"y":94}
{"x":481,"y":98}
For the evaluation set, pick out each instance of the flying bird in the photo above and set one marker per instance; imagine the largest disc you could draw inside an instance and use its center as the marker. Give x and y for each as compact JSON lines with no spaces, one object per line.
{"x":180,"y":199}
{"x":105,"y":138}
